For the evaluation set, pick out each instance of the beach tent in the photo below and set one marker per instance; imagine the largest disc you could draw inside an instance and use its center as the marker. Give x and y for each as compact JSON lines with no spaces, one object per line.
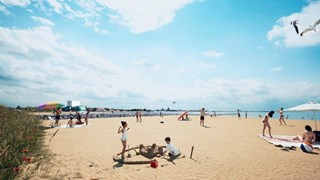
{"x":310,"y":106}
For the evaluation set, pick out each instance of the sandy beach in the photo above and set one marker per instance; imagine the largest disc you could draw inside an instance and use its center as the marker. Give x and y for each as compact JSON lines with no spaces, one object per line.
{"x":228,"y":148}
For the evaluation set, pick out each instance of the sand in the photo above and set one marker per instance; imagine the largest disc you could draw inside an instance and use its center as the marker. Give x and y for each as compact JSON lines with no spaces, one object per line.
{"x":228,"y":148}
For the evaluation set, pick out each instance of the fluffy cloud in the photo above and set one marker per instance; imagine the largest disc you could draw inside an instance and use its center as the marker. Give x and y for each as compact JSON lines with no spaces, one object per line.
{"x":284,"y":34}
{"x":22,"y":3}
{"x":143,"y":15}
{"x":213,"y":54}
{"x":36,"y":66}
{"x":42,"y":21}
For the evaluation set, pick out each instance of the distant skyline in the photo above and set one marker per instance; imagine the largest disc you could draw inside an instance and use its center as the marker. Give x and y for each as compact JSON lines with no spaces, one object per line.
{"x":218,"y":54}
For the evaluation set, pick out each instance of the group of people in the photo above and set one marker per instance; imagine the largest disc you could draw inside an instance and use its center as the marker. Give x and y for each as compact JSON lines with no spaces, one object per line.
{"x":307,"y":137}
{"x":57,"y":112}
{"x":78,"y":117}
{"x":139,"y":116}
{"x":123,"y":129}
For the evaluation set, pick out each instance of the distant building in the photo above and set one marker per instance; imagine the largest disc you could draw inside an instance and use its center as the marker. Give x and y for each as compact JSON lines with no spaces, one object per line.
{"x":73,"y":103}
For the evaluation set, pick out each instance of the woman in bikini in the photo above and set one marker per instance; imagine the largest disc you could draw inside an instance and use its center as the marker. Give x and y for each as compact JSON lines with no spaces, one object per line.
{"x":281,"y":117}
{"x":266,"y":122}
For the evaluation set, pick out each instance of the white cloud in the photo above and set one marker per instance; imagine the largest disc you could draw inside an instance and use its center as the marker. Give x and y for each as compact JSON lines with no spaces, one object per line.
{"x":146,"y":63}
{"x":22,"y":3}
{"x":207,"y":65}
{"x":224,"y":91}
{"x":4,"y":10}
{"x":274,"y":69}
{"x":213,"y":54}
{"x":143,"y":15}
{"x":42,"y":21}
{"x":284,"y":34}
{"x":39,"y":66}
{"x":57,"y":6}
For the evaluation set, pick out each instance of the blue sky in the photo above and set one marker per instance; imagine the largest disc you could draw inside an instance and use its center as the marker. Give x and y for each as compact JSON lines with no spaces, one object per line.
{"x":218,"y":54}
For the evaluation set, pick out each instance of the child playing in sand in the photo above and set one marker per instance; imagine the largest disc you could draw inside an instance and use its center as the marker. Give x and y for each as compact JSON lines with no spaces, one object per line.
{"x":266,"y":122}
{"x":124,"y":130}
{"x":70,"y":122}
{"x":171,"y":149}
{"x":307,"y":137}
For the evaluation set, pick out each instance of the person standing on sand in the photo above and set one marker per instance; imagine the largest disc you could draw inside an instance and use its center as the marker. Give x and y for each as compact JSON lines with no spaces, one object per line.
{"x":87,"y":116}
{"x":239,"y":115}
{"x":281,"y":118}
{"x":57,"y":112}
{"x":140,"y":114}
{"x":137,"y":116}
{"x":124,"y":138}
{"x":202,"y":114}
{"x":246,"y":114}
{"x":266,"y":123}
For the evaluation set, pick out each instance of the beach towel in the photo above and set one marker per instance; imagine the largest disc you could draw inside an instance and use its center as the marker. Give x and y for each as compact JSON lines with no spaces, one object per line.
{"x":285,"y":141}
{"x":76,"y":126}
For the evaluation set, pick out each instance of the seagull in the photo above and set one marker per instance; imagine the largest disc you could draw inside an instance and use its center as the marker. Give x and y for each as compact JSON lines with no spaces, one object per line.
{"x":294,"y":23}
{"x":310,"y":28}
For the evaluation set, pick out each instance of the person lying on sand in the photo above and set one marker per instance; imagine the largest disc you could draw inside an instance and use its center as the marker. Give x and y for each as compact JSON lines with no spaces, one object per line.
{"x":150,"y":151}
{"x":171,"y":149}
{"x":307,"y":137}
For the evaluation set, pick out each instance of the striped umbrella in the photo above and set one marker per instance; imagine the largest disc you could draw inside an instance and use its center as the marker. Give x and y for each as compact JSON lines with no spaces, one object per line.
{"x":50,"y":105}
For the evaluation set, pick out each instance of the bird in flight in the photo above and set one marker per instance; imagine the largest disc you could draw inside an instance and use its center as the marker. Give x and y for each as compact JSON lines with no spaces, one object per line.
{"x":311,"y":28}
{"x":294,"y":23}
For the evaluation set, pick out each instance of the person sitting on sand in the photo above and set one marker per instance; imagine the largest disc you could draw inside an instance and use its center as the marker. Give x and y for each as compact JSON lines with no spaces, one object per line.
{"x":78,"y":117}
{"x":70,"y":122}
{"x":124,"y":138}
{"x":307,"y":137}
{"x":171,"y":149}
{"x":266,"y":122}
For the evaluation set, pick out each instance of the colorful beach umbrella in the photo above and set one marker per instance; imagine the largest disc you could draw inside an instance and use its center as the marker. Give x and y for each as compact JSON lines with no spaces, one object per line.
{"x":310,"y":106}
{"x":50,"y":105}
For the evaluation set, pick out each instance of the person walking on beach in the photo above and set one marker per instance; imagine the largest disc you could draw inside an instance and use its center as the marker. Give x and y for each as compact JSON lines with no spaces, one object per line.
{"x":266,"y":123}
{"x":246,"y":114}
{"x":202,"y":114}
{"x":281,"y":118}
{"x":124,"y":137}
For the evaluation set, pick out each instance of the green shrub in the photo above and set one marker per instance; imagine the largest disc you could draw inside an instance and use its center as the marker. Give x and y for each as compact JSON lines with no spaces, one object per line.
{"x":21,"y":141}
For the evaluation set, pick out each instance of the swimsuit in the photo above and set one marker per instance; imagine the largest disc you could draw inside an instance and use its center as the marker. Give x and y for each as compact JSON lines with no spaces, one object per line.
{"x":124,"y":136}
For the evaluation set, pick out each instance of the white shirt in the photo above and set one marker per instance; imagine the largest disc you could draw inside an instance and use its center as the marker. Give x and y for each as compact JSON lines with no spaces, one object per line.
{"x":173,"y":150}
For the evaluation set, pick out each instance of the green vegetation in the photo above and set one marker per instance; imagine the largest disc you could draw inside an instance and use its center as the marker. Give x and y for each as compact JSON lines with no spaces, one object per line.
{"x":21,"y":142}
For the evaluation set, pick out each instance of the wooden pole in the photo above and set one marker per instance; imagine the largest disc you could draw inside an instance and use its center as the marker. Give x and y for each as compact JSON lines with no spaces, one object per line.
{"x":191,"y":152}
